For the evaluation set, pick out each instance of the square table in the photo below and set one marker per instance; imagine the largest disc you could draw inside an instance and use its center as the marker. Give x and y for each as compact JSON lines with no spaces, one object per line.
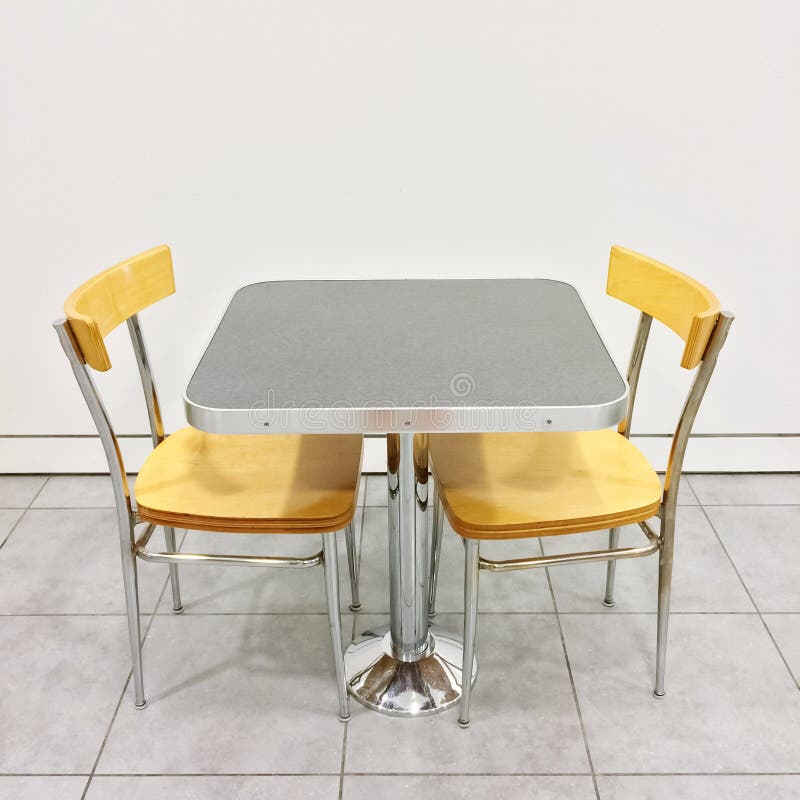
{"x":406,"y":358}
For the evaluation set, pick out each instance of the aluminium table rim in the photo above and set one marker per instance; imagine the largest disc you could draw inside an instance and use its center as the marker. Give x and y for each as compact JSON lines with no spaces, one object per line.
{"x":406,"y":420}
{"x":437,"y":413}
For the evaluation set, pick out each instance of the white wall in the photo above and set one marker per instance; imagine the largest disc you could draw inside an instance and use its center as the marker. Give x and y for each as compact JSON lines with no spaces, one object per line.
{"x":370,"y":139}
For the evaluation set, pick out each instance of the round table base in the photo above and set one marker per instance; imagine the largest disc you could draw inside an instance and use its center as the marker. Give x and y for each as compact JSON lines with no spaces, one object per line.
{"x":380,"y":681}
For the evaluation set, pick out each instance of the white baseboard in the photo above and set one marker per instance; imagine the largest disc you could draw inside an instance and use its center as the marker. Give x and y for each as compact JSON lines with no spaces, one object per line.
{"x":55,"y":454}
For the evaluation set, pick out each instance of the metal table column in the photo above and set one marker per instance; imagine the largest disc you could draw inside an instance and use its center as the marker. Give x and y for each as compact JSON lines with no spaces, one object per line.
{"x":410,"y":668}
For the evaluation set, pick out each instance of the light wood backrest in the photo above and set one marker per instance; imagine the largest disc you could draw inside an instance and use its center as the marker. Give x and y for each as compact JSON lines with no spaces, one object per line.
{"x":111,"y":297}
{"x":675,"y":299}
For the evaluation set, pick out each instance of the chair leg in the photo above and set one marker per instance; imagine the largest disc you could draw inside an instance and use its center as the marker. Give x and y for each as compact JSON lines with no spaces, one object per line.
{"x":664,"y":588}
{"x":436,"y":555}
{"x":174,"y":580}
{"x":471,"y":572}
{"x":129,"y":580}
{"x":352,"y":564}
{"x":331,"y":568}
{"x":611,"y":568}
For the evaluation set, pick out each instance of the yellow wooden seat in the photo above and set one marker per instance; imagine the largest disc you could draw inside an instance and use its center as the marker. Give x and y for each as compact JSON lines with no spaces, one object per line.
{"x":517,"y":485}
{"x":250,"y":484}
{"x":268,"y":483}
{"x":513,"y":485}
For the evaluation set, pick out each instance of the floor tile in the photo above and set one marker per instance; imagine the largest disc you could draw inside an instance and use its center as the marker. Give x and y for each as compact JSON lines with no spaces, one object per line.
{"x":60,"y":682}
{"x":231,"y":694}
{"x":17,"y":491}
{"x":523,"y":712}
{"x":703,"y":578}
{"x":67,"y":561}
{"x":699,"y":787}
{"x":248,"y":590}
{"x":375,"y":494}
{"x":8,"y":519}
{"x":764,"y":543}
{"x":215,"y":787}
{"x":731,"y":705}
{"x":785,"y":629}
{"x":467,"y":787}
{"x":725,"y":490}
{"x":79,"y":491}
{"x":515,"y":591}
{"x":42,"y":787}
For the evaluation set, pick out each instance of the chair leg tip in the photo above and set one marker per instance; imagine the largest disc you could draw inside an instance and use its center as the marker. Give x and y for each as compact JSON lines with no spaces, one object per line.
{"x":431,"y":614}
{"x":609,"y":603}
{"x":658,"y":695}
{"x":355,"y":606}
{"x":344,"y":717}
{"x":463,"y":724}
{"x":178,"y":610}
{"x":141,"y":705}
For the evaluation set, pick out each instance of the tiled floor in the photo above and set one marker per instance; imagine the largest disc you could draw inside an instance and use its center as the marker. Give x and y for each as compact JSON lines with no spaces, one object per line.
{"x":240,"y":689}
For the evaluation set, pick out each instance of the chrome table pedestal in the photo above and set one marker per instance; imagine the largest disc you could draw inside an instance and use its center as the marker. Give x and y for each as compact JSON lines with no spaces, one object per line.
{"x":410,"y":668}
{"x":384,"y":683}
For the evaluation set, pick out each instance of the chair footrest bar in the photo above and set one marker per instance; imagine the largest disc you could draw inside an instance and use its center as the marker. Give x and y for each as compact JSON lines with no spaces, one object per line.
{"x":290,"y":562}
{"x":575,"y":558}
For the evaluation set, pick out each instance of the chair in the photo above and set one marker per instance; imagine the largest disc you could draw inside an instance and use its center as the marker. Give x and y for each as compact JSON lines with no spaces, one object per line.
{"x":520,"y":485}
{"x":257,"y":484}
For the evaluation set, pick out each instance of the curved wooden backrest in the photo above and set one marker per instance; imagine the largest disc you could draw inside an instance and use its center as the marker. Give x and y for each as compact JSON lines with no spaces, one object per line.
{"x":111,"y":297}
{"x":675,"y":299}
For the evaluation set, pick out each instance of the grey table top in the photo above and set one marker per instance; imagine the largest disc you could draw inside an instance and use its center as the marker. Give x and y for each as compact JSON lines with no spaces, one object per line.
{"x":408,"y":355}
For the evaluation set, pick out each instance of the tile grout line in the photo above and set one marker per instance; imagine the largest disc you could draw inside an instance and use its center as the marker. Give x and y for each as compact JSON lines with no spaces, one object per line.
{"x":749,"y":505}
{"x":691,"y":489}
{"x":359,"y":544}
{"x":379,"y":612}
{"x":571,"y":677}
{"x":341,"y":766}
{"x":74,"y":508}
{"x":386,"y":774}
{"x":24,"y":512}
{"x":127,"y":681}
{"x":383,"y":505}
{"x":680,"y":505}
{"x":507,"y":774}
{"x":755,"y":605}
{"x":171,"y":612}
{"x":14,"y":526}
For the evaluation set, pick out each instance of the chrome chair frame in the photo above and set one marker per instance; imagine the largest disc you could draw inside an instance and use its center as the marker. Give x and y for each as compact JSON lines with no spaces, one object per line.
{"x":661,"y":542}
{"x":133,"y":547}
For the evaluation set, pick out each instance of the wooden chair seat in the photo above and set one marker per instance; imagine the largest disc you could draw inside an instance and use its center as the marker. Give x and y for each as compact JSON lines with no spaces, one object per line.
{"x":251,"y":484}
{"x":512,"y":485}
